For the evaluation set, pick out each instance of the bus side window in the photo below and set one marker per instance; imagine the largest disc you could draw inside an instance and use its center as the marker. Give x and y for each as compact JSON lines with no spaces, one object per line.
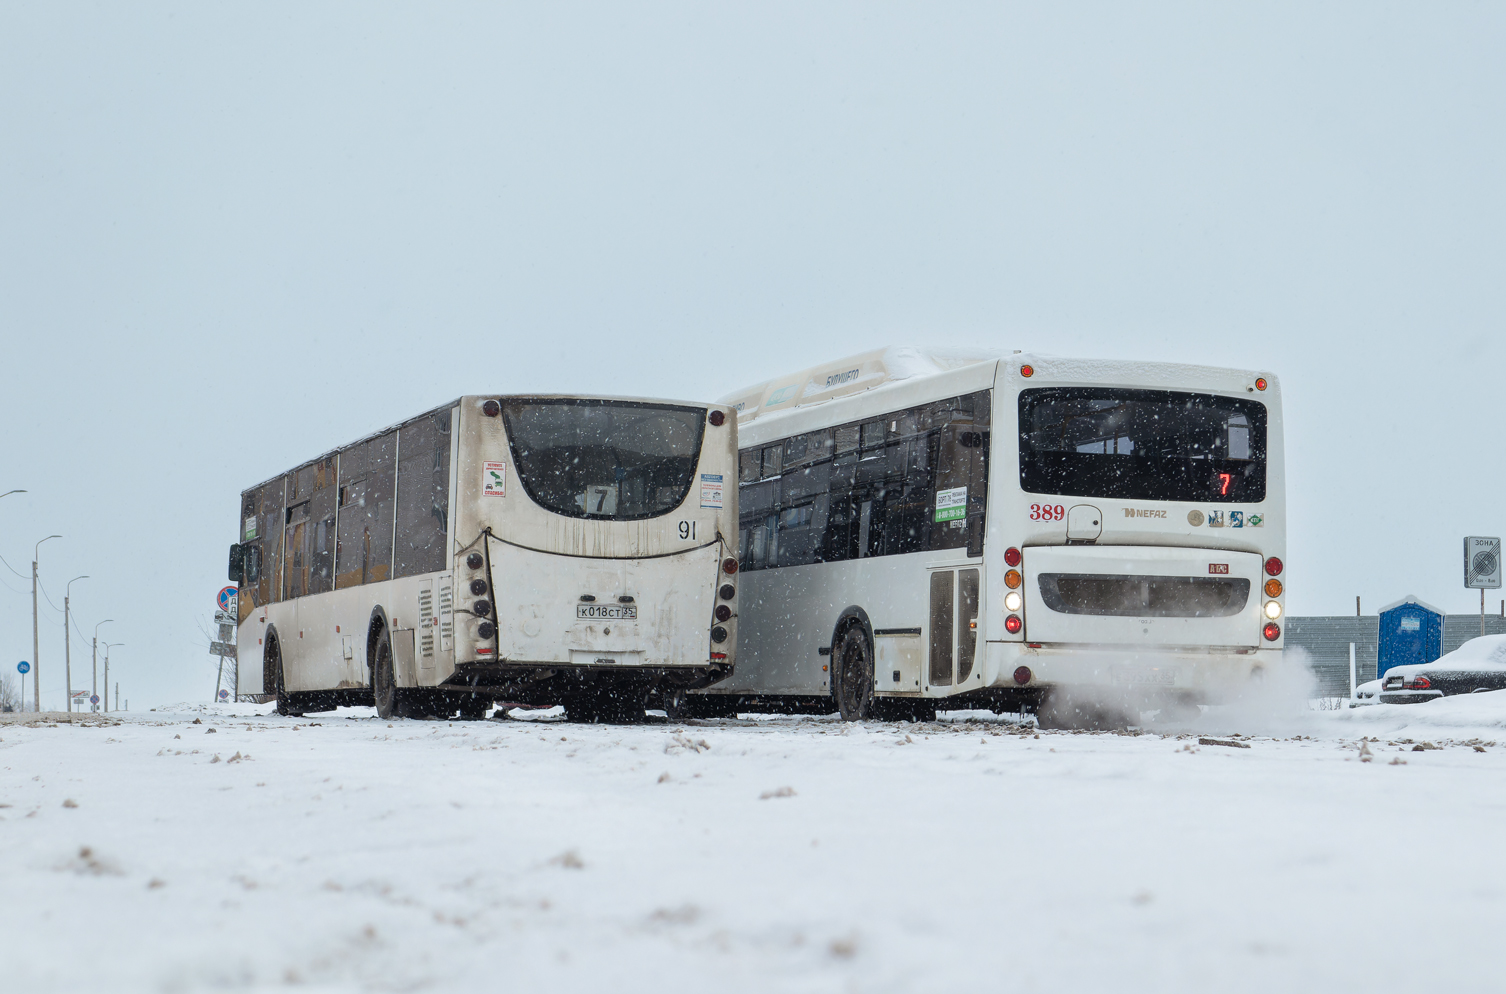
{"x":423,"y":494}
{"x":747,"y":466}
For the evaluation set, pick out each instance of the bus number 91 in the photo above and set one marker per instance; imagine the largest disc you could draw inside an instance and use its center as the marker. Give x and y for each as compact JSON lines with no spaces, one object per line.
{"x":1047,"y":512}
{"x":687,"y":530}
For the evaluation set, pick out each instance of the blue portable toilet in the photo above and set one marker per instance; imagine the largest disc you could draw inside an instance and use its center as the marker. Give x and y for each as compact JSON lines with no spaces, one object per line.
{"x":1410,"y":632}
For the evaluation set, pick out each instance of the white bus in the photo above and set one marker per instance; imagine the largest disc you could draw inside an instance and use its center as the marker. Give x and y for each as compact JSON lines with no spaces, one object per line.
{"x":1018,"y":532}
{"x":532,"y":549}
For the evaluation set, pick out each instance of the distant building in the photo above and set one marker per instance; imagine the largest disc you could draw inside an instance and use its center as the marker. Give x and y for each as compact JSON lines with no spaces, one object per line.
{"x":1326,"y":640}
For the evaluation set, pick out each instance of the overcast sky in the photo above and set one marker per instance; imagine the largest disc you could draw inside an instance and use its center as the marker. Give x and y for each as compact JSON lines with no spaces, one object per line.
{"x":234,"y":236}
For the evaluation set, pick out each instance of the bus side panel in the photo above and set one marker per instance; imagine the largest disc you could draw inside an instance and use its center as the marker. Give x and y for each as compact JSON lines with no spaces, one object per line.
{"x":795,"y":609}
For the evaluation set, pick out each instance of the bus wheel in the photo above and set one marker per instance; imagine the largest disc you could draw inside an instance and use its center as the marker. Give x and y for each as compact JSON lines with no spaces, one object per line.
{"x":389,"y":699}
{"x":852,"y":677}
{"x":273,"y":674}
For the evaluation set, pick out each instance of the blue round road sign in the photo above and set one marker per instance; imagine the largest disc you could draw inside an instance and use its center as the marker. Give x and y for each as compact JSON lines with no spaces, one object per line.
{"x":93,"y":698}
{"x":225,"y":597}
{"x":23,"y":667}
{"x":224,"y":694}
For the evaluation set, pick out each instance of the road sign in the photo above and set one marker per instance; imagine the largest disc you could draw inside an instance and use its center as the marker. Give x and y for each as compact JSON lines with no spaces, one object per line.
{"x":226,"y":599}
{"x":1482,"y":562}
{"x":80,"y":695}
{"x":222,"y":649}
{"x":23,"y":667}
{"x":225,"y":618}
{"x":224,"y":695}
{"x":93,"y":698}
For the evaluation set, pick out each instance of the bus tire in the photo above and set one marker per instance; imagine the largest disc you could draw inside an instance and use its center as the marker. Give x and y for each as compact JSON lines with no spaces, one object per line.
{"x":391,"y":702}
{"x":852,"y":676}
{"x":272,"y":674}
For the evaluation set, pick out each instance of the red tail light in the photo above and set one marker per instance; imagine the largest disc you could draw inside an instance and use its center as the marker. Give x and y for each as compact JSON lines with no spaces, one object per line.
{"x":1027,"y":370}
{"x":729,"y":565}
{"x":1273,"y":566}
{"x":1418,"y":682}
{"x":1022,"y":675}
{"x":1013,"y":624}
{"x":1012,"y":557}
{"x":1272,"y":632}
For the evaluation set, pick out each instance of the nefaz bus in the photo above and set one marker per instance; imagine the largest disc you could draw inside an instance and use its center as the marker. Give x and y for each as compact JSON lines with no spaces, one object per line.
{"x":1022,"y":532}
{"x":550,"y":549}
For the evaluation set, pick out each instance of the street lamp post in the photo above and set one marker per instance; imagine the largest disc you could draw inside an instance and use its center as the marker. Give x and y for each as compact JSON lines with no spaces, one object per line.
{"x":68,"y":647}
{"x":108,"y":647}
{"x":94,"y":659}
{"x":36,"y":662}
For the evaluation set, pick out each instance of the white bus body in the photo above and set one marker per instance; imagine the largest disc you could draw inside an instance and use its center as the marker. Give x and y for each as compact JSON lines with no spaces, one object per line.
{"x":542,"y":549}
{"x":897,"y":495}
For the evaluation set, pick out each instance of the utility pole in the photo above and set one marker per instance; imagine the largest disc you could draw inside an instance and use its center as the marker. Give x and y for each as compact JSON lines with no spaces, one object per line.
{"x":94,"y":663}
{"x":68,"y":648}
{"x":108,"y":647}
{"x":36,"y":662}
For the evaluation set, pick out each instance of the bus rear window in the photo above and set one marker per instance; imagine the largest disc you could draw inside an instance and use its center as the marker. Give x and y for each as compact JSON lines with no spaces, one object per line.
{"x":615,"y":460}
{"x":1142,"y":445}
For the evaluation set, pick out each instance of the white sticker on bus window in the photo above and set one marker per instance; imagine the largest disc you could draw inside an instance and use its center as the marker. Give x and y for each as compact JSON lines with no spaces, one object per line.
{"x":494,"y":479}
{"x":711,"y":490}
{"x":951,"y":504}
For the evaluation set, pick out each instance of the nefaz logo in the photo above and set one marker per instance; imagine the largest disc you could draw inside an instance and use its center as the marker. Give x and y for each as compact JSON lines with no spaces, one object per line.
{"x":1141,"y":512}
{"x":846,"y":377}
{"x":1222,"y":568}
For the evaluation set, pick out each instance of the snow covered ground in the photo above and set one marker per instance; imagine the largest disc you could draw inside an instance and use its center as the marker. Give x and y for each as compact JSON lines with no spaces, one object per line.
{"x":341,"y":852}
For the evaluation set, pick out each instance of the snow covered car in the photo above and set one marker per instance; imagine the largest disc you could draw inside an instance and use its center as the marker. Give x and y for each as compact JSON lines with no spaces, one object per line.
{"x":1477,"y":665}
{"x":1366,"y":693}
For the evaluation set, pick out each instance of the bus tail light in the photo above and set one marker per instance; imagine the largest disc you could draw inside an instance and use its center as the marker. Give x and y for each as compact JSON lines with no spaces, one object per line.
{"x":727,"y":592}
{"x":1272,"y":632}
{"x":1013,"y":600}
{"x":1273,"y":587}
{"x":485,"y":630}
{"x":718,"y":657}
{"x":1022,"y":675}
{"x":1013,"y":624}
{"x":716,"y":418}
{"x":1273,"y":566}
{"x":1012,"y":579}
{"x":1012,"y":556}
{"x":723,"y":612}
{"x":718,"y":634}
{"x":729,"y":566}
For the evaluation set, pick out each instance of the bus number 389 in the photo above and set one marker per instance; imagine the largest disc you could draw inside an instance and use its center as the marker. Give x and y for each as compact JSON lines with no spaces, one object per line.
{"x":1047,"y":512}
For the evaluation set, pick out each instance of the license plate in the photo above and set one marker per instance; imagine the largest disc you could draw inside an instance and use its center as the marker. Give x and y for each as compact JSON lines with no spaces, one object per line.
{"x":607,"y":612}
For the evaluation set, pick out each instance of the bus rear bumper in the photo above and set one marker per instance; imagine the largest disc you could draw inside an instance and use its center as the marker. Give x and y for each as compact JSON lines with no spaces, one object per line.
{"x":1143,"y":674}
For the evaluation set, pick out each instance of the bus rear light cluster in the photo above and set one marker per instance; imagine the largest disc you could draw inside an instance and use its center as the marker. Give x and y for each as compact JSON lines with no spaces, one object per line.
{"x":1272,"y":632}
{"x":1012,"y":579}
{"x":1022,"y":675}
{"x":723,"y":612}
{"x":1012,"y":556}
{"x":1273,"y":587}
{"x":729,"y":566}
{"x":1273,"y":566}
{"x":1013,"y":624}
{"x":718,"y":634}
